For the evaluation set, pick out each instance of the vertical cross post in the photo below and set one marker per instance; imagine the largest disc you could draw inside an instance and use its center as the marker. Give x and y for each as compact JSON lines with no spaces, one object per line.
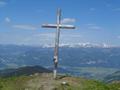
{"x":58,"y":26}
{"x":56,"y":50}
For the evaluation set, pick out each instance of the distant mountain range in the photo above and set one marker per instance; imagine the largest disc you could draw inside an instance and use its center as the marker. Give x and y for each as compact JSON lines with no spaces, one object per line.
{"x":77,"y":45}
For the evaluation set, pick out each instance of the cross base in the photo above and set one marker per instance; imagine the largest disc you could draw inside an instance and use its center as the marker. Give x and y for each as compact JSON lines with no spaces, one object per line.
{"x":55,"y":73}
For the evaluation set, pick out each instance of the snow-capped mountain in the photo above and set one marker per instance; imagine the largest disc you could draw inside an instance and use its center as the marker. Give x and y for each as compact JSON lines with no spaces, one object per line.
{"x":78,"y":45}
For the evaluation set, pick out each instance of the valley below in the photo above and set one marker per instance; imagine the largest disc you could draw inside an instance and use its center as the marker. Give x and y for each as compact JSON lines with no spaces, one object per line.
{"x":89,"y":68}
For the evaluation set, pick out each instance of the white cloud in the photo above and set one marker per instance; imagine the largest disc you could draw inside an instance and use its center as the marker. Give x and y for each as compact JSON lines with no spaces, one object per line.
{"x":118,"y":37}
{"x":26,"y":27}
{"x":92,"y":9}
{"x":2,"y":3}
{"x":90,"y":24}
{"x":45,"y":35}
{"x":39,"y":39}
{"x":7,"y":19}
{"x":93,"y":26}
{"x":68,"y":20}
{"x":108,"y":5}
{"x":116,"y":9}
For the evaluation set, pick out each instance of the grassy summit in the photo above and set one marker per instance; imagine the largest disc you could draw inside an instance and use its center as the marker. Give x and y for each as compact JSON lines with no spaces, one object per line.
{"x":46,"y":82}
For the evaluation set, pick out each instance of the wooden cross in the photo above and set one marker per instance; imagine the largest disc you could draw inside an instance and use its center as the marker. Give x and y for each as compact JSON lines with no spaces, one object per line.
{"x":58,"y":26}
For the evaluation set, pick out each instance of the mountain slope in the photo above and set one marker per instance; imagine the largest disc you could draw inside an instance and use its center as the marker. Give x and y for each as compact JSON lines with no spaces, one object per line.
{"x":115,"y":77}
{"x":28,"y":70}
{"x":39,"y":78}
{"x":46,"y":82}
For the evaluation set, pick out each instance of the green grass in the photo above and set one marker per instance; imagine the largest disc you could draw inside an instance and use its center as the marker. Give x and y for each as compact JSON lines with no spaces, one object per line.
{"x":46,"y":82}
{"x":13,"y":83}
{"x":84,"y":85}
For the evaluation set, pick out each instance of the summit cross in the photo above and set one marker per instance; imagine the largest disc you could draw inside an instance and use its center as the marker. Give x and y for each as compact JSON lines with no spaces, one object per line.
{"x":58,"y":26}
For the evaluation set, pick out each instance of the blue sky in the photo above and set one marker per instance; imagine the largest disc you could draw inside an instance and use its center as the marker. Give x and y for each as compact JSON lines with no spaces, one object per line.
{"x":97,"y":21}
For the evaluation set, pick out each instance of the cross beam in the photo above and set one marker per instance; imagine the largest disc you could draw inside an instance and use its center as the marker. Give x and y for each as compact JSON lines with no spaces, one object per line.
{"x":58,"y":26}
